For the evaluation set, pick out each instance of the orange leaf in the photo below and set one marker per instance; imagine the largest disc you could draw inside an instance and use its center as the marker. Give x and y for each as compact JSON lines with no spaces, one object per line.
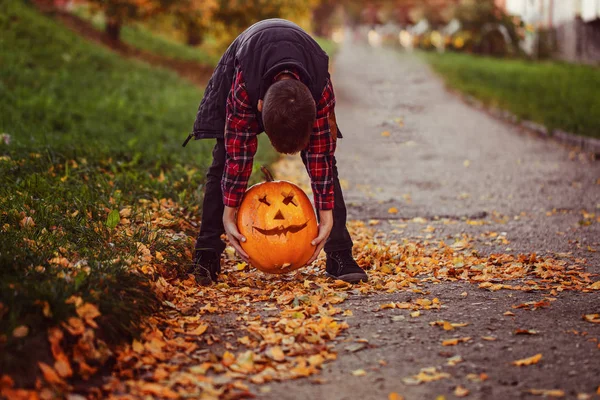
{"x":63,"y":367}
{"x":6,"y":382}
{"x":50,"y":374}
{"x":547,"y":393}
{"x":450,"y":342}
{"x":158,"y":390}
{"x":395,"y":396}
{"x":198,"y":331}
{"x":461,"y":391}
{"x":593,"y":318}
{"x":88,"y":312}
{"x":228,"y":359}
{"x":75,"y":326}
{"x":528,"y":361}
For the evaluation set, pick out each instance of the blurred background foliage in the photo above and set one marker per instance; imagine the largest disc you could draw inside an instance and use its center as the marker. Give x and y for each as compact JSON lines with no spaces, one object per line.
{"x":462,"y":25}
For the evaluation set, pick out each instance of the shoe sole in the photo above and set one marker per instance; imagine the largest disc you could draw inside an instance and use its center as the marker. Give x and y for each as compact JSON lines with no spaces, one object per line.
{"x":354,"y":277}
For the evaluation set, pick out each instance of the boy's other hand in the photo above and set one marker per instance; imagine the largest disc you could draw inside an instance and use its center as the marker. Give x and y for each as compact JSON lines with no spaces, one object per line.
{"x":325,"y":225}
{"x":233,"y":234}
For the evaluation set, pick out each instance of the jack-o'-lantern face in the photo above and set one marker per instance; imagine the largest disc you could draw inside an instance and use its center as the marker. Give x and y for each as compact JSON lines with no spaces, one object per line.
{"x":279,"y":223}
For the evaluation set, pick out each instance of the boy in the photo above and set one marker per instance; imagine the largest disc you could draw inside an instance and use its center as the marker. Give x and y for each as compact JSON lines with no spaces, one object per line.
{"x":273,"y":78}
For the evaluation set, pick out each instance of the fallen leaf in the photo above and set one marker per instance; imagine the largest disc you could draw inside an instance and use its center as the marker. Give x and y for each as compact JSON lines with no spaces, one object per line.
{"x":528,"y":361}
{"x":509,"y":314}
{"x":461,"y":391}
{"x":455,"y":341}
{"x":393,"y":210}
{"x":50,"y":374}
{"x":198,"y":330}
{"x":450,"y":342}
{"x":63,"y":367}
{"x":477,"y":377}
{"x":275,"y":353}
{"x":395,"y":396}
{"x":429,"y":374}
{"x":593,"y":318}
{"x":489,"y":338}
{"x":547,"y":393}
{"x":452,"y":361}
{"x":228,"y":359}
{"x":20,"y":331}
{"x":88,"y":312}
{"x":385,"y":133}
{"x":359,"y":372}
{"x":158,"y":390}
{"x":526,"y":332}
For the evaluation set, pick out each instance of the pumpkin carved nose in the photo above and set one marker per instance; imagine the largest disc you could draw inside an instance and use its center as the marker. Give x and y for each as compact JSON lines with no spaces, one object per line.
{"x":279,"y":215}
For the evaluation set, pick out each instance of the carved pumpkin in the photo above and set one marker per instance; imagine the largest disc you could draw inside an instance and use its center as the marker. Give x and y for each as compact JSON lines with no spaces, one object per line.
{"x":279,"y":222}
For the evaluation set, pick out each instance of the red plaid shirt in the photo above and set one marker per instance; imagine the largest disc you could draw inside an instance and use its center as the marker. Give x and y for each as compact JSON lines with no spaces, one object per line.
{"x":241,"y":142}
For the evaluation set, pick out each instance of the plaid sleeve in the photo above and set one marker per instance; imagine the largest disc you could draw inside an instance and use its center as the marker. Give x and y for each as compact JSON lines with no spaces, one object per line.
{"x":318,"y":157}
{"x":241,"y":130}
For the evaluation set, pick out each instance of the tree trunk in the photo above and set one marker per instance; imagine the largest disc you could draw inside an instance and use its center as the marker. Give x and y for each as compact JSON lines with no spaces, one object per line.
{"x":194,"y":37}
{"x":113,"y":29}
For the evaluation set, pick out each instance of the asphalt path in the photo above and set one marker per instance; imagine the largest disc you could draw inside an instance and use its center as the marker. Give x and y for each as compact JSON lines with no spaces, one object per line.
{"x":411,"y":144}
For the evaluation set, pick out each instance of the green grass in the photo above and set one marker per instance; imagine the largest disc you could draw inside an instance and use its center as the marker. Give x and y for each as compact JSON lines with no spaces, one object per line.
{"x":140,"y":37}
{"x":328,"y":45}
{"x":557,"y":95}
{"x":88,"y":133}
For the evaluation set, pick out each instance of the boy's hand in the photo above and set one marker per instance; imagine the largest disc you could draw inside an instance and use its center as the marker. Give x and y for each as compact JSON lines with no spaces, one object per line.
{"x":325,"y":225}
{"x":234,"y":236}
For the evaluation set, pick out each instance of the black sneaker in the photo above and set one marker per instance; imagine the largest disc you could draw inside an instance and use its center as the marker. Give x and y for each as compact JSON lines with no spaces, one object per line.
{"x":206,"y":268}
{"x":341,"y":265}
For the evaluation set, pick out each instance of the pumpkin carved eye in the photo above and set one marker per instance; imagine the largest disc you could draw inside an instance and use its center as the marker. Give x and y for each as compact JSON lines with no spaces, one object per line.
{"x":289,"y":198}
{"x":264,"y":200}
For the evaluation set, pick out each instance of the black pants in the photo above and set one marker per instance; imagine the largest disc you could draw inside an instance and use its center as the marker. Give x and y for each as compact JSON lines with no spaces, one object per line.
{"x":212,"y":210}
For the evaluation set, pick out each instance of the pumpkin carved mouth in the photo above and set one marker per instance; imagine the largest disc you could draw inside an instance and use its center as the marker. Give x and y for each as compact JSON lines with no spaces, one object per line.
{"x":281,"y":230}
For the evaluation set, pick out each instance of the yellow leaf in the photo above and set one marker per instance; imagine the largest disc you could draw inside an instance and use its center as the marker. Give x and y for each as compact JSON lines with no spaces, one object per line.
{"x":415,"y":314}
{"x":395,"y":396}
{"x":137,"y":346}
{"x":593,"y":318}
{"x":528,"y":361}
{"x":240,"y":266}
{"x":466,"y":163}
{"x":275,"y":353}
{"x":385,"y":133}
{"x":452,"y":361}
{"x":595,"y":285}
{"x":359,"y":372}
{"x":393,"y":210}
{"x":21,"y":331}
{"x":489,"y":338}
{"x":450,"y":342}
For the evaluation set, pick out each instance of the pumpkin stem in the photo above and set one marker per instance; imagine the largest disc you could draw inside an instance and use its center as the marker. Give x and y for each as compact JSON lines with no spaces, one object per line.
{"x":267,"y":173}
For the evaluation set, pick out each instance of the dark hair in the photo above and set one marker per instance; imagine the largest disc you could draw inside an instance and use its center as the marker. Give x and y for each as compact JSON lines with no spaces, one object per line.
{"x":288,"y":115}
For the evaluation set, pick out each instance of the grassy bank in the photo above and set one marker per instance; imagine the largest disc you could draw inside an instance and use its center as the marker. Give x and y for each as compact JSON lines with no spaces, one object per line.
{"x":95,"y":189}
{"x":557,"y":95}
{"x":140,"y":37}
